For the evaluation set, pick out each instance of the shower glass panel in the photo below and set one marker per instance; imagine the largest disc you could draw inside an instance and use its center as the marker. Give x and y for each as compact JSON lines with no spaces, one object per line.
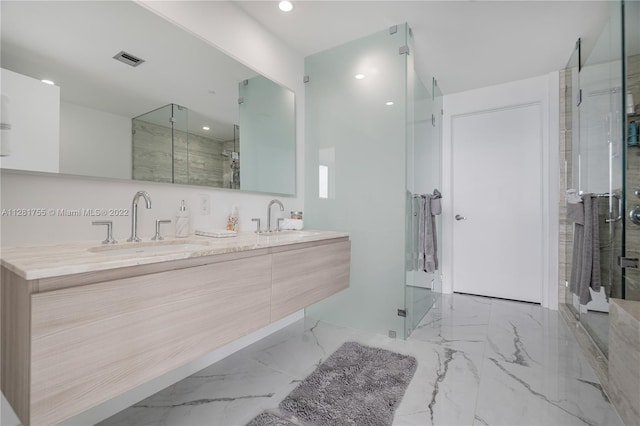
{"x":181,"y":144}
{"x":597,"y":157}
{"x":424,"y":145}
{"x":266,"y":120}
{"x":153,"y":145}
{"x":631,"y":107}
{"x":435,"y":163}
{"x":355,"y":180}
{"x":570,"y":145}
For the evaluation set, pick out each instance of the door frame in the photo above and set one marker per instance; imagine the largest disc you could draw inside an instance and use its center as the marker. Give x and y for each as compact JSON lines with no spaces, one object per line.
{"x":544,"y":90}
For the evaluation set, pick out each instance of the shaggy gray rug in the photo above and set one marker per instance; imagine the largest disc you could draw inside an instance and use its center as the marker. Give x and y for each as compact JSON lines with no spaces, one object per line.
{"x":356,"y":385}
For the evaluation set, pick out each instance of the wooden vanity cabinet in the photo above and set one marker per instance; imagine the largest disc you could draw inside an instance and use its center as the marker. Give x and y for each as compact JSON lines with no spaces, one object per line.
{"x":71,"y":343}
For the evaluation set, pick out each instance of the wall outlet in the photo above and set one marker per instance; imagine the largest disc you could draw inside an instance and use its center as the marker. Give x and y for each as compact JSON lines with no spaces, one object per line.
{"x":205,"y":204}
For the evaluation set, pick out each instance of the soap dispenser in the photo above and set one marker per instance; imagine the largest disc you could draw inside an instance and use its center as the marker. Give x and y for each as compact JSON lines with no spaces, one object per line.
{"x":233,"y":219}
{"x":182,"y":221}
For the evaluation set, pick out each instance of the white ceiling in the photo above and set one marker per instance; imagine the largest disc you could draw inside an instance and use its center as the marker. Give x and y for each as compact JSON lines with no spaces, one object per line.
{"x":73,"y":42}
{"x":464,"y":44}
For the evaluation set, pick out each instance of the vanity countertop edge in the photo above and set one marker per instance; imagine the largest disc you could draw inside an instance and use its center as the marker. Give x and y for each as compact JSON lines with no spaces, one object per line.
{"x":48,"y":261}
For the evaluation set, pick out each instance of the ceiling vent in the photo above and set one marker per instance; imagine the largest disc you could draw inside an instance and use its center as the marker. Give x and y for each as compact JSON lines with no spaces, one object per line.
{"x":128,"y":58}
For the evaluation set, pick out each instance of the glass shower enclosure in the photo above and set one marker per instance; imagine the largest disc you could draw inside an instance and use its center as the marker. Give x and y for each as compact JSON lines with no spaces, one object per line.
{"x":371,"y":144}
{"x":602,"y":159}
{"x":169,"y":146}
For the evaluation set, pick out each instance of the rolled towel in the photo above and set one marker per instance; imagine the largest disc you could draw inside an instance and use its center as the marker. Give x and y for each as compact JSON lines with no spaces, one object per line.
{"x":573,"y":197}
{"x":436,"y":205}
{"x":292,"y":224}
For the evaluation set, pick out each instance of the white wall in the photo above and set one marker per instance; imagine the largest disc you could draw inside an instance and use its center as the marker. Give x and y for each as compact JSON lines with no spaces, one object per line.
{"x":225,"y":26}
{"x":543,"y":90}
{"x":94,"y":143}
{"x":33,"y":111}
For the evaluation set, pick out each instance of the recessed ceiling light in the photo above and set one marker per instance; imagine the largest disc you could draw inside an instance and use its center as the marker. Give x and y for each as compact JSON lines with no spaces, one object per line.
{"x":359,"y":76}
{"x":205,"y":128}
{"x":389,"y":103}
{"x":48,"y":82}
{"x":285,"y":6}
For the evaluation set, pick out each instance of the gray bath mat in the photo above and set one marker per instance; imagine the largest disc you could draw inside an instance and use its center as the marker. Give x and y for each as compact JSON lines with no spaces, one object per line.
{"x":356,"y":385}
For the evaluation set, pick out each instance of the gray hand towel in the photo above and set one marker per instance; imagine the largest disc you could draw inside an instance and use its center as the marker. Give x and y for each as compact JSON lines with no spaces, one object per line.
{"x":585,"y":266}
{"x":575,"y":213}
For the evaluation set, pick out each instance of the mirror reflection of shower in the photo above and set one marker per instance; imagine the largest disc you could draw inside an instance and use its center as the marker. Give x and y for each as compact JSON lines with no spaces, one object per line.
{"x":233,"y":157}
{"x":177,"y":145}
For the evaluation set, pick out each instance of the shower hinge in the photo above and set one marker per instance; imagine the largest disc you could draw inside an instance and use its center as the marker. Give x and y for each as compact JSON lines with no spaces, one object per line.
{"x":433,"y":120}
{"x":403,"y":50}
{"x":402,"y":312}
{"x":173,"y":120}
{"x":305,"y":79}
{"x":579,"y":98}
{"x":240,"y":101}
{"x":628,"y":262}
{"x":393,"y":29}
{"x":245,"y":82}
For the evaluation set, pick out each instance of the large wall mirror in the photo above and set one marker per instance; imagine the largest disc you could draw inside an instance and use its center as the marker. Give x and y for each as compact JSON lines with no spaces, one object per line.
{"x":136,"y":97}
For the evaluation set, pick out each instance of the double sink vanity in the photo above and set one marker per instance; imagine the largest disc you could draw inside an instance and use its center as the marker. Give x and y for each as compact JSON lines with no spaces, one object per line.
{"x":83,"y":323}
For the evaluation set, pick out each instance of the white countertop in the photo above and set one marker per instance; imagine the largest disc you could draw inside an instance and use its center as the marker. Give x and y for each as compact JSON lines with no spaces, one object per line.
{"x":39,"y":262}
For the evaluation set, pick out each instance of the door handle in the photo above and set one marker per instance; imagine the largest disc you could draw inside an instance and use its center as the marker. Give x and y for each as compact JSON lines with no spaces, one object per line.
{"x":458,"y":217}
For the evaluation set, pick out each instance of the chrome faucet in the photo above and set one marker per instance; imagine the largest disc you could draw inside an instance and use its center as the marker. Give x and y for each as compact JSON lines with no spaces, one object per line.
{"x":272,"y":202}
{"x":134,"y":214}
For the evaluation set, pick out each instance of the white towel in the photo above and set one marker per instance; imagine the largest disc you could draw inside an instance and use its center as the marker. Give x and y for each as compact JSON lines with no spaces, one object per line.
{"x":292,"y":224}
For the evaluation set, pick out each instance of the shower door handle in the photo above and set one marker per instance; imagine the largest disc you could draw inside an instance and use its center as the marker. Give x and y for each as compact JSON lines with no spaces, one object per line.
{"x":634,"y":215}
{"x":458,"y":217}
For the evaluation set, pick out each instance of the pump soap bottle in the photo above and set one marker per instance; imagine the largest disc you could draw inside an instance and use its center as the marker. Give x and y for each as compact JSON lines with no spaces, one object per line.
{"x":182,"y":221}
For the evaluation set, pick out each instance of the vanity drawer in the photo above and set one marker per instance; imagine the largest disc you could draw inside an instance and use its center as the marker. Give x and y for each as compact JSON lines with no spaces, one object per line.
{"x":305,"y":276}
{"x":93,"y":342}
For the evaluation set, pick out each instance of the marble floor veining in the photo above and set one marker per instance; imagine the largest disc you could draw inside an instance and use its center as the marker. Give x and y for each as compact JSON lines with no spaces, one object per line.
{"x":481,"y":361}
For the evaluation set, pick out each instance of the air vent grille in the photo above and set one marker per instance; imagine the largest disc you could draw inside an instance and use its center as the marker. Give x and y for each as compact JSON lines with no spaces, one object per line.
{"x":128,"y":58}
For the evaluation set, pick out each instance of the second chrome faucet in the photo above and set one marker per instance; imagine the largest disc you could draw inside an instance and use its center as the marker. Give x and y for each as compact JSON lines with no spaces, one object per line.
{"x":134,"y":214}
{"x":271,"y":203}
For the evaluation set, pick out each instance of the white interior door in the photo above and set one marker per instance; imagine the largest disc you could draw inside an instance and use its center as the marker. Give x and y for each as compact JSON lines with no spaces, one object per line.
{"x":497,"y":197}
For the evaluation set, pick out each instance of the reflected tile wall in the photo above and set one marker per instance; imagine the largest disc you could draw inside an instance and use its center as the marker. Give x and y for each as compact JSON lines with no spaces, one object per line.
{"x":198,"y":160}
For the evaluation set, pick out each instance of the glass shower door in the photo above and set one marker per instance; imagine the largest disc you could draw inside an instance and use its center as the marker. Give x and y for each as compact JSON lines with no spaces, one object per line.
{"x":424,"y":171}
{"x":597,"y":157}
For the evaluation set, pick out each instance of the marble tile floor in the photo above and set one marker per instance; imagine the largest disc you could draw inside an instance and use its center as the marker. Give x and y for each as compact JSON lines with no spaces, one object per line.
{"x":481,"y":361}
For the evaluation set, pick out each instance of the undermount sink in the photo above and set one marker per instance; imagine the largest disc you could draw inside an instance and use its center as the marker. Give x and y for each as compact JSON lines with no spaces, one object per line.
{"x":149,"y":248}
